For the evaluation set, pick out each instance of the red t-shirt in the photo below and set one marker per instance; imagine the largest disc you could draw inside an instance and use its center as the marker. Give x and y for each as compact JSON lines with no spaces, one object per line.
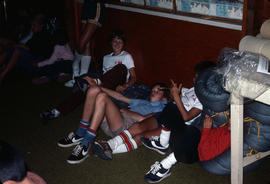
{"x":213,"y":142}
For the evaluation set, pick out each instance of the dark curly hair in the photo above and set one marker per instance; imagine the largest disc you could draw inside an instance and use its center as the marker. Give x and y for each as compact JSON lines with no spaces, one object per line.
{"x":117,"y":33}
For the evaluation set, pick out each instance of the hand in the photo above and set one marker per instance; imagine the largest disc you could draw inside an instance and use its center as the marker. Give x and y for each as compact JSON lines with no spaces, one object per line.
{"x":91,"y":81}
{"x":176,"y":90}
{"x":120,"y":88}
{"x":208,"y":122}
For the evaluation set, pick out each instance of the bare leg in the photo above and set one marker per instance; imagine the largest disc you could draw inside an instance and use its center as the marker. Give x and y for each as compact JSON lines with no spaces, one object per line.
{"x":86,"y":35}
{"x":90,"y":101}
{"x":105,"y":106}
{"x":146,"y":134}
{"x":12,"y":62}
{"x":143,"y":126}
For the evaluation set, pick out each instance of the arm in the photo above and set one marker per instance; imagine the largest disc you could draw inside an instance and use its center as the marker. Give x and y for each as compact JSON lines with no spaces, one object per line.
{"x":49,"y":61}
{"x":187,"y":115}
{"x":116,"y":95}
{"x":134,"y":115}
{"x":132,"y":80}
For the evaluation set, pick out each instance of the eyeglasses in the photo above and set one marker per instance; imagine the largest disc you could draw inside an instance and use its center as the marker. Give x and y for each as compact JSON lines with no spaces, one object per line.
{"x":160,"y":89}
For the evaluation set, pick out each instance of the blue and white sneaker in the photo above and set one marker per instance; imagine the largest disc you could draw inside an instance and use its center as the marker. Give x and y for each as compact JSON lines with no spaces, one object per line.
{"x":70,"y":140}
{"x":78,"y":155}
{"x":157,"y":173}
{"x":153,"y":143}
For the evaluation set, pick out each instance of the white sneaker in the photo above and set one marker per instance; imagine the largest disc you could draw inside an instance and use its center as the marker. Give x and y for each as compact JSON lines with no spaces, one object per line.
{"x":70,"y":83}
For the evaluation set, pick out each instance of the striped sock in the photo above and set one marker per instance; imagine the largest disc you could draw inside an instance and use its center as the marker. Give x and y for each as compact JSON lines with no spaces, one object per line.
{"x":89,"y":137}
{"x":164,"y":136}
{"x":118,"y":140}
{"x":82,"y":128}
{"x":128,"y":145}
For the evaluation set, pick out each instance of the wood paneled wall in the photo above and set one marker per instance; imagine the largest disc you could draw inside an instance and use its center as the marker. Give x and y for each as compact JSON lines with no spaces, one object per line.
{"x":164,"y":48}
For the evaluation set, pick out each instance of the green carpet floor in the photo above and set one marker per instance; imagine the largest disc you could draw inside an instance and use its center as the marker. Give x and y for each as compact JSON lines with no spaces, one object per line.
{"x":21,"y":104}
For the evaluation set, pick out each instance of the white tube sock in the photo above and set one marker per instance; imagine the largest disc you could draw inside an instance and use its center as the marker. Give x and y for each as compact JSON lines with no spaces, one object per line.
{"x":76,"y":64}
{"x":126,"y":147}
{"x":169,"y":161}
{"x":165,"y":137}
{"x":115,"y":142}
{"x":85,"y":64}
{"x":118,"y":140}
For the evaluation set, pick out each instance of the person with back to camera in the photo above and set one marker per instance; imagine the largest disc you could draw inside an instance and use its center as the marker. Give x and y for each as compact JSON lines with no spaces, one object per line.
{"x":93,"y":12}
{"x":13,"y":169}
{"x":118,"y":74}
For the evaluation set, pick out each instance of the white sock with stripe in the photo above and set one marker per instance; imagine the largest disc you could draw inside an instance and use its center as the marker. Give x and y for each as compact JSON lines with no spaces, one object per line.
{"x":164,"y":136}
{"x":127,"y":146}
{"x":118,"y":140}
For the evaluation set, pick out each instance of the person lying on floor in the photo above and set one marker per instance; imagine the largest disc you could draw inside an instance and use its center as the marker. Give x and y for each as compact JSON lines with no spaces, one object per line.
{"x":186,"y":106}
{"x":98,"y":105}
{"x":13,"y":169}
{"x":118,"y":74}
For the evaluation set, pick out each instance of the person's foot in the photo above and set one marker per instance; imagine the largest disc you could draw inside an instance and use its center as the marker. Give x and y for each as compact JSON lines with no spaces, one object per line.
{"x":70,"y":140}
{"x":157,"y":173}
{"x":102,"y":150}
{"x":49,"y":115}
{"x":82,"y":84}
{"x":70,"y":83}
{"x":40,"y":80}
{"x":153,"y":143}
{"x":78,"y":155}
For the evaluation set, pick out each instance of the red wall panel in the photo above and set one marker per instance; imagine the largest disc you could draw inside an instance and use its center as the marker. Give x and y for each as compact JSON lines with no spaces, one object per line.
{"x":165,"y":48}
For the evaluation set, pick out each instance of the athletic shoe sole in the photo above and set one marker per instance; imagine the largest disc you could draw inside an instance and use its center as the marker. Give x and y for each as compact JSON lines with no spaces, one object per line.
{"x":153,"y":148}
{"x":150,"y":181}
{"x":100,"y":152}
{"x":77,"y":161}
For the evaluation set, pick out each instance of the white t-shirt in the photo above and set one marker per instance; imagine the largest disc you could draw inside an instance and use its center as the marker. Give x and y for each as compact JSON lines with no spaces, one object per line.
{"x":190,"y":101}
{"x":109,"y":61}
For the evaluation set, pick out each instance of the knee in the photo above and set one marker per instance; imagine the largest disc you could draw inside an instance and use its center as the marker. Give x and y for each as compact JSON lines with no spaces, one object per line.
{"x":101,"y":97}
{"x":93,"y":91}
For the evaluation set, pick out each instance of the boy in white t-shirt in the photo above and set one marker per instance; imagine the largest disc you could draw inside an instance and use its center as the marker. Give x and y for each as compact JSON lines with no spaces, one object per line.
{"x":111,"y":64}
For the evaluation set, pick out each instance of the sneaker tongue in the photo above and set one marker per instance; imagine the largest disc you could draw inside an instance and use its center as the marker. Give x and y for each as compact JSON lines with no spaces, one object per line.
{"x":71,"y":135}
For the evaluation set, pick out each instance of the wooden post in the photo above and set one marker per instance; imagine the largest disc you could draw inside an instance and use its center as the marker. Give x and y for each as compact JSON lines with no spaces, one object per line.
{"x":236,"y":139}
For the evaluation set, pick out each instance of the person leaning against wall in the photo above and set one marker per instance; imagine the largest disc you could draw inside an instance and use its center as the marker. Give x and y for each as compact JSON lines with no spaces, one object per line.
{"x":118,"y":74}
{"x":92,"y":17}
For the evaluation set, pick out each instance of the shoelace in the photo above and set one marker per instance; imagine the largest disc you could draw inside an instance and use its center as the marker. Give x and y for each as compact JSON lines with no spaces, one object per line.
{"x":70,"y":136}
{"x":155,"y":168}
{"x":154,"y":138}
{"x":77,"y":150}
